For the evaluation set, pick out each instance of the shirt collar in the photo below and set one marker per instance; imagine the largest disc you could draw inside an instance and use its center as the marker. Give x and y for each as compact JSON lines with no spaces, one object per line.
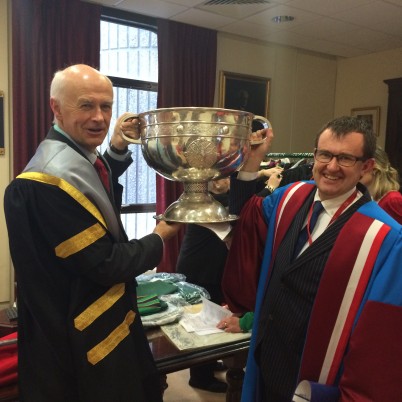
{"x":332,"y":205}
{"x":90,"y":155}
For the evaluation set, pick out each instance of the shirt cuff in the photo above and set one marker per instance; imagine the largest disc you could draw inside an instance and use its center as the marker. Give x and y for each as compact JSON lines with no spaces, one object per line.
{"x":119,"y":157}
{"x":246,"y":322}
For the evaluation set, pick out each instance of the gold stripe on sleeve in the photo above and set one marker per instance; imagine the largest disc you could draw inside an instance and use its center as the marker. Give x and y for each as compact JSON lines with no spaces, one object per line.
{"x":68,"y":188}
{"x":79,"y":241}
{"x":102,"y":349}
{"x":97,"y":308}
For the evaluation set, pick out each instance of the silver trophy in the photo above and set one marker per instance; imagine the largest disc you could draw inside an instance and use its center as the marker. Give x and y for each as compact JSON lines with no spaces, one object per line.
{"x":194,"y":145}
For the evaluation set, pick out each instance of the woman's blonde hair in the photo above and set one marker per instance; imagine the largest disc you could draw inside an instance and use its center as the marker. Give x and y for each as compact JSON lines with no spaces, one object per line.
{"x":385,"y":177}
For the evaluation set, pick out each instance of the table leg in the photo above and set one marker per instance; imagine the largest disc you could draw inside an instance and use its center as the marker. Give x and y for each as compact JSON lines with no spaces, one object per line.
{"x":235,"y":376}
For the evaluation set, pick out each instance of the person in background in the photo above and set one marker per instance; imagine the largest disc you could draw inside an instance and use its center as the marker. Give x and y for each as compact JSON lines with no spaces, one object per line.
{"x":265,"y":174}
{"x":271,"y":178}
{"x":237,"y":323}
{"x":278,"y":177}
{"x":383,"y":184}
{"x":318,"y":309}
{"x":80,"y":336}
{"x":201,"y":259}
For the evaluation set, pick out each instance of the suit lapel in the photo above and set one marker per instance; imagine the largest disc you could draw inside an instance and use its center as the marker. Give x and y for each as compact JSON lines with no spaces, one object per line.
{"x":327,"y":239}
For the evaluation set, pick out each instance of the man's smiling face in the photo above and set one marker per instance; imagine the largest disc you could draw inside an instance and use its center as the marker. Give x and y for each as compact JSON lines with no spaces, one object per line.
{"x":84,"y":107}
{"x":332,"y":179}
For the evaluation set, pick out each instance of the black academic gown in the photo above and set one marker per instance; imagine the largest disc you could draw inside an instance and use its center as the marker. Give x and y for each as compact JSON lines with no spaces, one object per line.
{"x":80,"y":334}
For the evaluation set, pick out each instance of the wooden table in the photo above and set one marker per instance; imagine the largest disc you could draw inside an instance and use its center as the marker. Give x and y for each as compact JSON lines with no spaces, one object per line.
{"x":169,"y":359}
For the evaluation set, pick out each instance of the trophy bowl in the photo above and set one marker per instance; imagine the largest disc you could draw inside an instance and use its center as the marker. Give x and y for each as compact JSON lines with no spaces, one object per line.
{"x":194,"y":145}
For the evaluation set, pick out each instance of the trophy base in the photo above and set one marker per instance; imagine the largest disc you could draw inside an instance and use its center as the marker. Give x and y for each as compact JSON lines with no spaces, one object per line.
{"x":196,"y":208}
{"x":163,"y":217}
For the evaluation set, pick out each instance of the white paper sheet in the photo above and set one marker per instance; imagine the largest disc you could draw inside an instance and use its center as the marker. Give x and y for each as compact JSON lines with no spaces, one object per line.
{"x":204,"y":322}
{"x":221,"y":229}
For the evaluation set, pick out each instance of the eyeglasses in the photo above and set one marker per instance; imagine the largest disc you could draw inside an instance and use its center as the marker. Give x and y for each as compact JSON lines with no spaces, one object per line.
{"x":341,"y":159}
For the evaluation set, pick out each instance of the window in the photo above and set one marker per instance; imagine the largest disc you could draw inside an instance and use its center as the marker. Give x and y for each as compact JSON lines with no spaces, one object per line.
{"x":129,"y":56}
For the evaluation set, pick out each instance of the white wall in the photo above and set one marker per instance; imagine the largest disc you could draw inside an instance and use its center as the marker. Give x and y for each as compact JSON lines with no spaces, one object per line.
{"x":307,"y":89}
{"x":302,"y":87}
{"x":5,"y":85}
{"x":360,"y":83}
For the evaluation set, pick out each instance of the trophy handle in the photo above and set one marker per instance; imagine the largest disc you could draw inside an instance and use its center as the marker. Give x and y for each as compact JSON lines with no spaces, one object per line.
{"x":265,"y":123}
{"x":129,"y":139}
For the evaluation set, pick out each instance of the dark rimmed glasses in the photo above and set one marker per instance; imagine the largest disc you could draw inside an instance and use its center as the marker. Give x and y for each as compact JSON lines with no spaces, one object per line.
{"x":345,"y":160}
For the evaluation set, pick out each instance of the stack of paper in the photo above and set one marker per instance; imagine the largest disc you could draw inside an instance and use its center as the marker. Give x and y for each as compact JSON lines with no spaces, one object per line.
{"x":204,"y":322}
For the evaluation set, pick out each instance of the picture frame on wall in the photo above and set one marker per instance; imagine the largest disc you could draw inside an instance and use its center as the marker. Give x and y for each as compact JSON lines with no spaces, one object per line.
{"x":2,"y":150}
{"x":370,"y":114}
{"x":244,"y":92}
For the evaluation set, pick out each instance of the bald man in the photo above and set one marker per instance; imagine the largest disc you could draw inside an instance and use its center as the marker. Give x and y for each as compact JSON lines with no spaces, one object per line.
{"x":79,"y":331}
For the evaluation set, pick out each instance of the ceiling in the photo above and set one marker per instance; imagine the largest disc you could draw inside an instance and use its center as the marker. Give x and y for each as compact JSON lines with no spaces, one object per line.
{"x":344,"y":28}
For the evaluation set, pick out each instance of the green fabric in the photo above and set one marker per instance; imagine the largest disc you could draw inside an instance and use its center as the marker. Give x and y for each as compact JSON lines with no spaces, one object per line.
{"x":157,"y":288}
{"x":150,"y":304}
{"x":246,"y":322}
{"x":148,"y":296}
{"x":189,"y":293}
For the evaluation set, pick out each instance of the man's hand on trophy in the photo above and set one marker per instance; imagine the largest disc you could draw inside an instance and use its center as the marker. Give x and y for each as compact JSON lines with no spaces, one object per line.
{"x":167,"y":230}
{"x":260,"y":127}
{"x":260,"y":142}
{"x":126,"y":131}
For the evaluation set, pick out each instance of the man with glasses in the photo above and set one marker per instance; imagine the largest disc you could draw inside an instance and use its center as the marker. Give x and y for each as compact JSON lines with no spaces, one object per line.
{"x":327,"y":315}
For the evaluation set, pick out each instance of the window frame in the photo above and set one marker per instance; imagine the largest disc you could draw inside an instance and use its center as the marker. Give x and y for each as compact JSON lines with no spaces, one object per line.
{"x":137,"y":21}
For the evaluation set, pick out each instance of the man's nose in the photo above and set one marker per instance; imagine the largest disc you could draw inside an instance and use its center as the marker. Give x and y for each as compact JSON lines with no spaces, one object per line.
{"x":98,"y":114}
{"x":333,"y":163}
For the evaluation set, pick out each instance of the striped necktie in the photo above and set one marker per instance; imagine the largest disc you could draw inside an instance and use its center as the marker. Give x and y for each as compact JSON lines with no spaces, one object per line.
{"x":303,"y":236}
{"x":103,"y":173}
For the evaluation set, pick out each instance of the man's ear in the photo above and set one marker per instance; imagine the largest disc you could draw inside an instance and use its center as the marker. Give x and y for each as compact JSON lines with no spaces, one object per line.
{"x":368,"y":165}
{"x":55,"y":106}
